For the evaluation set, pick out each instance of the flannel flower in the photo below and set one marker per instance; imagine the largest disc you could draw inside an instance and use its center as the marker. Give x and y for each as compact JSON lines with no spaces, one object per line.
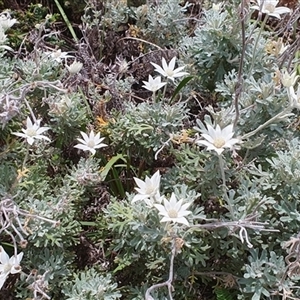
{"x":75,"y":67}
{"x":153,"y":85}
{"x":9,"y":265}
{"x":33,"y":131}
{"x":173,"y":211}
{"x":148,"y":190}
{"x":6,"y":22}
{"x":289,"y":80}
{"x":294,"y":97}
{"x":217,"y":7}
{"x":58,"y":55}
{"x":218,"y":139}
{"x":167,"y":70}
{"x":269,"y":7}
{"x":91,"y":142}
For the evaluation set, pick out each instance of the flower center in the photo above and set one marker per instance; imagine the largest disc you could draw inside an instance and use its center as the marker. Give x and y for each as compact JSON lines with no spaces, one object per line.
{"x":31,"y":132}
{"x":219,"y":142}
{"x":149,"y":189}
{"x":172,"y":213}
{"x":169,"y":72}
{"x":269,"y":7}
{"x":91,"y":144}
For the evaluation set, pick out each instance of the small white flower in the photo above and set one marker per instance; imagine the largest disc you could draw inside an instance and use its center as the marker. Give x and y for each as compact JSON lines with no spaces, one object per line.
{"x":75,"y":67}
{"x":33,"y":131}
{"x":294,"y":97}
{"x":218,"y":139}
{"x":289,"y":80}
{"x":91,"y":142}
{"x":153,"y":85}
{"x":58,"y":55}
{"x":123,"y":65}
{"x":173,"y":210}
{"x":148,"y":190}
{"x":217,"y":7}
{"x":269,"y":7}
{"x":6,"y":22}
{"x":167,"y":70}
{"x":9,"y":265}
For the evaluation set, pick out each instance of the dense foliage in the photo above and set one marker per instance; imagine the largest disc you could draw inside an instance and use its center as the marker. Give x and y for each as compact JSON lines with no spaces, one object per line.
{"x":150,"y":152}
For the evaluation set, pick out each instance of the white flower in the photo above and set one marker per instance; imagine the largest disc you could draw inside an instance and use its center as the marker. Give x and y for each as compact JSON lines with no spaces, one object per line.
{"x":123,"y":65}
{"x":148,"y":190}
{"x":173,"y":210}
{"x":294,"y":97}
{"x":289,"y":80}
{"x":167,"y":70}
{"x":91,"y":142}
{"x":58,"y":55}
{"x":33,"y":131}
{"x":269,"y":7}
{"x":75,"y":67}
{"x":218,"y":139}
{"x":9,"y":265}
{"x":276,"y":47}
{"x":217,"y":7}
{"x":6,"y":22}
{"x":153,"y":84}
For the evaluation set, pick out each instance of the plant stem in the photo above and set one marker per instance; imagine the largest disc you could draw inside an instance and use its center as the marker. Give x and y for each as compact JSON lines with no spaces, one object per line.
{"x":30,"y":110}
{"x":229,"y":204}
{"x":256,"y":42}
{"x":270,"y":121}
{"x":153,"y":97}
{"x":167,"y":283}
{"x":165,"y":89}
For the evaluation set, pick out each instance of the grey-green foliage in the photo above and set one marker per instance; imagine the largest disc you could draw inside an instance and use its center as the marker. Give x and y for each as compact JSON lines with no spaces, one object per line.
{"x":136,"y":231}
{"x":262,"y":275}
{"x":90,"y":285}
{"x":215,"y":47}
{"x":57,"y":203}
{"x":147,"y":125}
{"x":260,"y":101}
{"x":141,"y":241}
{"x":286,"y":169}
{"x":165,"y":24}
{"x":282,"y":181}
{"x":115,"y":14}
{"x":9,"y":108}
{"x":8,"y":174}
{"x":69,"y":113}
{"x":51,"y":263}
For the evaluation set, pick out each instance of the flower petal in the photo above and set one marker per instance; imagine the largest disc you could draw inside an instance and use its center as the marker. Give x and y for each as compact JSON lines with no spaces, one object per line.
{"x":4,"y":258}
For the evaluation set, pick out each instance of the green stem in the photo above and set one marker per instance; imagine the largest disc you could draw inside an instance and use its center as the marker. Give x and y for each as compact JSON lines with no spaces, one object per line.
{"x":270,"y":121}
{"x":165,"y":88}
{"x":256,"y":42}
{"x":229,"y":204}
{"x":30,"y":110}
{"x":66,"y":20}
{"x":153,"y":97}
{"x":26,"y":157}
